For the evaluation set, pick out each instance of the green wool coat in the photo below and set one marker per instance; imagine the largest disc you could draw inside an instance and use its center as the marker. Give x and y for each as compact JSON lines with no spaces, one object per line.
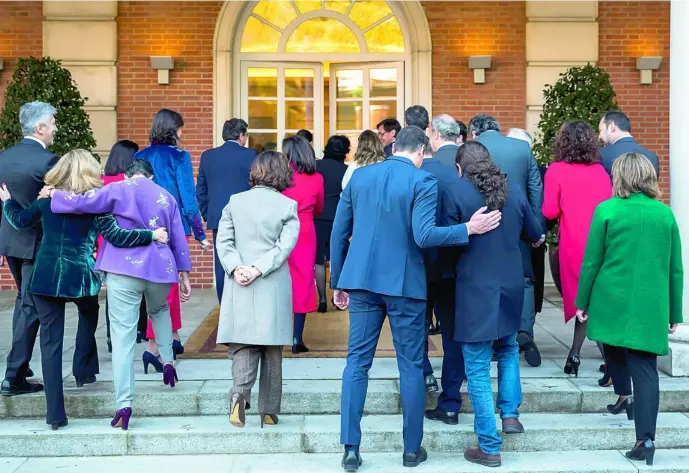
{"x":632,"y":278}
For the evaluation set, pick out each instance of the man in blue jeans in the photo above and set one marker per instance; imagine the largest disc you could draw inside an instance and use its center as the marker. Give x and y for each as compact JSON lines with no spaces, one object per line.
{"x":385,"y":216}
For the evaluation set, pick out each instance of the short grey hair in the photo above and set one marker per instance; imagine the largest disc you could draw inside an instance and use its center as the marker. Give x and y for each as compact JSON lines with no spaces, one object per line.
{"x":520,"y":134}
{"x":482,"y":123}
{"x":446,"y":126}
{"x":33,"y":114}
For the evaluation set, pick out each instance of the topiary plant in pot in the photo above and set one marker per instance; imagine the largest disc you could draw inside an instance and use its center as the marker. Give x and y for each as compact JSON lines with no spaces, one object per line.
{"x":47,"y":81}
{"x":581,"y":93}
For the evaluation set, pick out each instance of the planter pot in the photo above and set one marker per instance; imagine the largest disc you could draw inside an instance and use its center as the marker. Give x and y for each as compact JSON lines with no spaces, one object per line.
{"x":554,"y":260}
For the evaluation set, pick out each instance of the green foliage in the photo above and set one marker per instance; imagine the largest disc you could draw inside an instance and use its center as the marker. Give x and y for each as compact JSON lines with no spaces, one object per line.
{"x":581,"y":93}
{"x":47,"y":81}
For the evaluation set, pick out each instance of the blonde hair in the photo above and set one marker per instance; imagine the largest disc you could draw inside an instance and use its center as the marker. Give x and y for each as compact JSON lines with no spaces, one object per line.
{"x":369,"y":150}
{"x":633,"y":173}
{"x":77,"y":171}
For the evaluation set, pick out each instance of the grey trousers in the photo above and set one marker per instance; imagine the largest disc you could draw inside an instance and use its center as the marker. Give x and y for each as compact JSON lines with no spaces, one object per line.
{"x":124,"y":299}
{"x":245,"y":360}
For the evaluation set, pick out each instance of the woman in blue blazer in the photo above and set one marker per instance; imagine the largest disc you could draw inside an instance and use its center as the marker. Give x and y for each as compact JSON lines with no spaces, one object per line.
{"x":489,"y":294}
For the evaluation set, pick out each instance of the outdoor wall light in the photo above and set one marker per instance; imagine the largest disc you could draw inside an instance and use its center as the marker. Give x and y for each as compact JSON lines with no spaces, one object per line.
{"x":163,"y":64}
{"x":648,"y":64}
{"x":2,"y":64}
{"x":479,"y":64}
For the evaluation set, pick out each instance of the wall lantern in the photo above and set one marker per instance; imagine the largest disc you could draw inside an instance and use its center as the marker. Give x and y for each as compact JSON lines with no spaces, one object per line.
{"x":479,"y":64}
{"x":163,"y":64}
{"x":648,"y":64}
{"x":2,"y":64}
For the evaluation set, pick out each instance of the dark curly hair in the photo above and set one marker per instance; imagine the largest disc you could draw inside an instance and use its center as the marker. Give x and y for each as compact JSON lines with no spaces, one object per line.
{"x":473,"y":159}
{"x":338,"y":148}
{"x":577,"y":143}
{"x":271,"y":169}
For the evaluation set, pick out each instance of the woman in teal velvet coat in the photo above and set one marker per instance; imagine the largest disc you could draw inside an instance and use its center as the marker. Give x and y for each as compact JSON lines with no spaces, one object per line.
{"x":64,"y":272}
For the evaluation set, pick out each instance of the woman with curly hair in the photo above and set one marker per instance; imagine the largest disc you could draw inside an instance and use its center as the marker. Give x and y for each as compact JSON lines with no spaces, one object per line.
{"x":574,"y":186}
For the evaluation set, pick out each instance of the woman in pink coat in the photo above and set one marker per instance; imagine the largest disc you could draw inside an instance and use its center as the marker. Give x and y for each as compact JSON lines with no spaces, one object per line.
{"x":574,"y":185}
{"x":307,"y":190}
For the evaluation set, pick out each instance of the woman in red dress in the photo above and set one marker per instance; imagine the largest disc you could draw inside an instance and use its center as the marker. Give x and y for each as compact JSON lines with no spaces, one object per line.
{"x":307,"y":190}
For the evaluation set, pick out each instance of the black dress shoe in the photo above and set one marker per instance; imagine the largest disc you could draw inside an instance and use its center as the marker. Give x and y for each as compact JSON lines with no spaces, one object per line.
{"x":412,"y":460}
{"x":449,"y":418}
{"x":351,"y":461}
{"x":56,"y":425}
{"x":431,"y":384}
{"x":29,"y":373}
{"x":529,"y":348}
{"x":10,"y":388}
{"x":81,"y":380}
{"x":432,"y":330}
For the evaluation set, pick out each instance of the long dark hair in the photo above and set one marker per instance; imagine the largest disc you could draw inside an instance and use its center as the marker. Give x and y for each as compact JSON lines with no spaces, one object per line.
{"x":474,"y":160}
{"x":337,"y":148}
{"x":300,"y":154}
{"x":165,"y":126}
{"x":121,"y":156}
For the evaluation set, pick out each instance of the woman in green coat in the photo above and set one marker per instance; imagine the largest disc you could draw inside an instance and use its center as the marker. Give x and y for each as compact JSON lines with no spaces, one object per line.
{"x":630,"y":291}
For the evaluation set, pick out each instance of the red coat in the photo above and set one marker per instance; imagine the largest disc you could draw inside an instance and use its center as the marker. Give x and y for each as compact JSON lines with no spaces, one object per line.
{"x":308,"y":191}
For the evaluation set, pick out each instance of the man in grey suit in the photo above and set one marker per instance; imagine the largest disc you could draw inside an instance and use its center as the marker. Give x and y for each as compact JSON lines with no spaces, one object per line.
{"x":615,"y":131}
{"x":22,"y":169}
{"x":516,"y":160}
{"x":444,"y":135}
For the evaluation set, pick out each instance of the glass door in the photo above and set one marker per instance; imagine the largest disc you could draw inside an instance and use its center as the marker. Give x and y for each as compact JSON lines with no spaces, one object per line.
{"x":279,"y":99}
{"x":362,"y":95}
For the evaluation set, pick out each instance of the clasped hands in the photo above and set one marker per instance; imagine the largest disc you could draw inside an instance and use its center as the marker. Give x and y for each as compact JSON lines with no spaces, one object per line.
{"x":245,"y":275}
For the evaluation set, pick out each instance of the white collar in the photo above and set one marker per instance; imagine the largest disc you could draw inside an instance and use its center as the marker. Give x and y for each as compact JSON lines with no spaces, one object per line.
{"x":37,"y":140}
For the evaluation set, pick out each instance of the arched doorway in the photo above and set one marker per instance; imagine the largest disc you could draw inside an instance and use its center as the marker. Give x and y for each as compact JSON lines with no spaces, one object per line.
{"x":328,"y":66}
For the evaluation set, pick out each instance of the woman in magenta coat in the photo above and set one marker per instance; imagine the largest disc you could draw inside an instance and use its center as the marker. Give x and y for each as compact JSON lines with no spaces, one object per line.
{"x":574,"y":186}
{"x":307,"y":190}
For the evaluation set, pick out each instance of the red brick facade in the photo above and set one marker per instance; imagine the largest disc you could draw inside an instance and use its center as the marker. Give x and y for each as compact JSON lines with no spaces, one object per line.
{"x":185,"y":30}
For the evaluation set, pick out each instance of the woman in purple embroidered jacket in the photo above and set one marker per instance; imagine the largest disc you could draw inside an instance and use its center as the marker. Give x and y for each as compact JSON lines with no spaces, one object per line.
{"x":136,"y":202}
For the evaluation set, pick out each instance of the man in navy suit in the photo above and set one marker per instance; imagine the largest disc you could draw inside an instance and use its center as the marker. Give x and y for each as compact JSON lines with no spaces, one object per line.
{"x":388,"y":130}
{"x":223,"y":172}
{"x":386,"y":215}
{"x":615,"y":131}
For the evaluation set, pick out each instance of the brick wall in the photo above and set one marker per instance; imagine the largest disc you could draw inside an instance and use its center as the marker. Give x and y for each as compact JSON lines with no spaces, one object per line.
{"x":185,"y":31}
{"x":21,"y":35}
{"x":463,"y":29}
{"x":629,"y":30}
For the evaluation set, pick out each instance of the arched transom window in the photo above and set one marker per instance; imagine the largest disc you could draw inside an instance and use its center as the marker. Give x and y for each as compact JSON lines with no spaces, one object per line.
{"x":302,"y":26}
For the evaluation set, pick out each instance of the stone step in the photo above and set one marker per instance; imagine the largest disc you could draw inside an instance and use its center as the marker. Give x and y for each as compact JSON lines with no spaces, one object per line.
{"x":192,"y":398}
{"x":599,"y":461}
{"x":318,"y":434}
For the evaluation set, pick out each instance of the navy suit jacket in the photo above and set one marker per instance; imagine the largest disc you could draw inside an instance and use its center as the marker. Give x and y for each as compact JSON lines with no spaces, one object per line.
{"x":388,"y":150}
{"x":388,"y":209}
{"x":448,"y":156}
{"x":611,"y":152}
{"x":223,"y":172}
{"x":514,"y":158}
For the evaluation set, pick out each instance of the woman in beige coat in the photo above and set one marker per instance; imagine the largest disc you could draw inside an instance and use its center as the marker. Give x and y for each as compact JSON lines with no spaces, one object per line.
{"x":257,"y":231}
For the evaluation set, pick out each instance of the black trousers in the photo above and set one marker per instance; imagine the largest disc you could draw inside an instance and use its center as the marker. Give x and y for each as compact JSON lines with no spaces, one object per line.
{"x":217,"y":267}
{"x":627,"y":367}
{"x":24,"y":320}
{"x":51,"y":312}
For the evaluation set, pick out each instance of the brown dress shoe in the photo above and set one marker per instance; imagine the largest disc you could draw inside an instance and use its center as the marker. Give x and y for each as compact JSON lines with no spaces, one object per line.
{"x":512,"y":426}
{"x":476,"y":455}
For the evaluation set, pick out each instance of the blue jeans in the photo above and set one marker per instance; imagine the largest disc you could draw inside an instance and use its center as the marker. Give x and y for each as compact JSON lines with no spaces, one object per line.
{"x":407,"y":322}
{"x":477,"y":362}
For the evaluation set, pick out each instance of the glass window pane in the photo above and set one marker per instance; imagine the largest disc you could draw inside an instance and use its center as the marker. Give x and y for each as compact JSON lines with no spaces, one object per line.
{"x":350,"y":83}
{"x":259,"y":37}
{"x":263,"y":114}
{"x":307,"y":5}
{"x":385,"y":38}
{"x":263,"y":141}
{"x":298,"y":115}
{"x":383,"y":82}
{"x":349,"y":116}
{"x":299,"y":82}
{"x":263,"y":82}
{"x":338,"y":6}
{"x":364,"y":14}
{"x":382,"y":109}
{"x":278,"y":13}
{"x":322,"y":35}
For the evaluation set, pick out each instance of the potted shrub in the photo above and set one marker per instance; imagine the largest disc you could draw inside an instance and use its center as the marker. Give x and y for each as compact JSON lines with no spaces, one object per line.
{"x":581,"y":93}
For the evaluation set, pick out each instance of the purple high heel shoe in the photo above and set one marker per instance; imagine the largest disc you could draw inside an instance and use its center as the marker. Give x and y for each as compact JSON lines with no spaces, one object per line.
{"x":122,"y":418}
{"x":169,"y":375}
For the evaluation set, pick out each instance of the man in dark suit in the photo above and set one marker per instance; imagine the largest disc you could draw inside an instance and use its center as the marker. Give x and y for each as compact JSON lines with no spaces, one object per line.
{"x":417,"y":116}
{"x":514,"y":158}
{"x":223,"y":172}
{"x":22,"y":169}
{"x":444,"y":135}
{"x":462,"y":133}
{"x":388,"y":210}
{"x":615,"y":131}
{"x":388,"y":130}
